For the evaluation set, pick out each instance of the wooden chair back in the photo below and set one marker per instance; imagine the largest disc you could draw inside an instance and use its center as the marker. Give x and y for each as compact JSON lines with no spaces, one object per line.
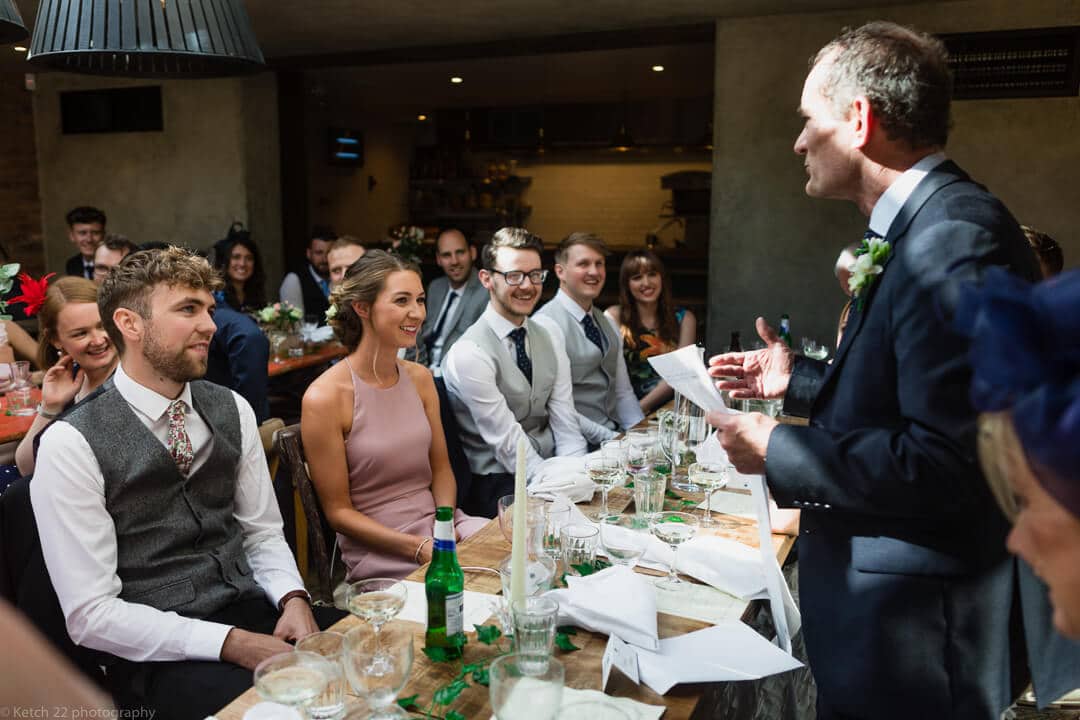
{"x":290,"y":449}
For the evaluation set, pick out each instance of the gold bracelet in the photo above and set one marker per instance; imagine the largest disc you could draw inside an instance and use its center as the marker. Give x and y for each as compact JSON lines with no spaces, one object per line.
{"x":416,"y":555}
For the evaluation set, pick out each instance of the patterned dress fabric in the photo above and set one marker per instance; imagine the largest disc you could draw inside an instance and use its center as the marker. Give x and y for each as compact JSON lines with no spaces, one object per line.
{"x":637,"y":353}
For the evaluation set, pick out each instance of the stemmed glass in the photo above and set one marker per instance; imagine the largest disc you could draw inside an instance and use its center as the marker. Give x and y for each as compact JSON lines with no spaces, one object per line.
{"x":376,"y":600}
{"x":293,"y":678}
{"x":521,"y":690}
{"x":377,"y":666}
{"x":811,"y":348}
{"x":710,"y":475}
{"x":673,"y":528}
{"x":606,"y":473}
{"x":623,"y":543}
{"x":639,"y":450}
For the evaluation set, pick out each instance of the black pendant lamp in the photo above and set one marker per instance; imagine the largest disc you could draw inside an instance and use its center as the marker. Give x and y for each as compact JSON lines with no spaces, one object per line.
{"x":145,"y":38}
{"x":12,"y":29}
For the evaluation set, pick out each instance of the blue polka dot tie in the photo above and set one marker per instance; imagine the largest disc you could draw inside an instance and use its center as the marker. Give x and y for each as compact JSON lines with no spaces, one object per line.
{"x":523,"y":362}
{"x":592,"y":331}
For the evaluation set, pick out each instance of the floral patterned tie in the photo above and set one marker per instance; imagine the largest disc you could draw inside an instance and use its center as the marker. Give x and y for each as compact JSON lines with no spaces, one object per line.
{"x":179,"y":444}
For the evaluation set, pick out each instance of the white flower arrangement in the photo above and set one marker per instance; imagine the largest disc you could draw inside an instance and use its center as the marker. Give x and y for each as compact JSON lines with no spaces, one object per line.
{"x":869,"y":262}
{"x":280,"y":316}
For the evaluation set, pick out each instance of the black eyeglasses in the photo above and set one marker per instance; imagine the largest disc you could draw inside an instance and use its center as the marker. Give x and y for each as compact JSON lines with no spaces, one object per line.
{"x":516,"y":277}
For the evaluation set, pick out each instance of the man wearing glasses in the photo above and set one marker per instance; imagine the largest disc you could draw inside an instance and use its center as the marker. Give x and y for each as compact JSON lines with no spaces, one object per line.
{"x":505,"y":378}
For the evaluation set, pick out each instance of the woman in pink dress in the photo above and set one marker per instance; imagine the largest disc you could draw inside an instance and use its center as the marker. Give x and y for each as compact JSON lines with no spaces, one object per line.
{"x":372,"y":434}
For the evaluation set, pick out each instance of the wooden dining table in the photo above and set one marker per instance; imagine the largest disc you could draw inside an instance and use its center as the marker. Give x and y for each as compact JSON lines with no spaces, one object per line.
{"x":324,"y":354}
{"x":486,"y":549}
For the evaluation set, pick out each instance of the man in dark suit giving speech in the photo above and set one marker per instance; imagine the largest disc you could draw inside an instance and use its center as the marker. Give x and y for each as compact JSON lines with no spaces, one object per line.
{"x":904,"y":582}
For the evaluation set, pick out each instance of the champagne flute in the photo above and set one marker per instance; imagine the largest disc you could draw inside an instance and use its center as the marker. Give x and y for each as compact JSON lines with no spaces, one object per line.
{"x":673,"y":528}
{"x":606,"y":473}
{"x":377,"y":666}
{"x":710,"y":475}
{"x":376,"y":600}
{"x":521,"y":688}
{"x":293,"y":678}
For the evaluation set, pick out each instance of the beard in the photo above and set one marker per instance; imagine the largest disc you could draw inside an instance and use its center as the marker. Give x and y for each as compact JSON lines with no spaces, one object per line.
{"x":174,"y":365}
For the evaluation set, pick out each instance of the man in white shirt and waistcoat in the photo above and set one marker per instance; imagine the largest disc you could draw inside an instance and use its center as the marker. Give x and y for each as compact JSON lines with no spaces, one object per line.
{"x":505,"y":378}
{"x":454,"y":300}
{"x":158,"y":522}
{"x":604,"y":399}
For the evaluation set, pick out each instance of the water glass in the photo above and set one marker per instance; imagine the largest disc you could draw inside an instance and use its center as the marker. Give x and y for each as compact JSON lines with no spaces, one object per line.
{"x":534,"y":516}
{"x":378,"y":666}
{"x":534,"y":630}
{"x":579,"y":545}
{"x":640,"y":451}
{"x":539,"y":574}
{"x":519,"y":692}
{"x":649,"y":490}
{"x":711,"y":475}
{"x":624,"y":543}
{"x":616,"y":450}
{"x":555,"y":517}
{"x":688,"y":430}
{"x":607,"y":473}
{"x":330,"y":645}
{"x":20,"y":401}
{"x":292,"y":678}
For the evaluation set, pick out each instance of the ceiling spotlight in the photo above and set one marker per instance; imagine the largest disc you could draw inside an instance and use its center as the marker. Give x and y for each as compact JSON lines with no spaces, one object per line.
{"x":421,"y":117}
{"x":658,"y":68}
{"x":456,"y":80}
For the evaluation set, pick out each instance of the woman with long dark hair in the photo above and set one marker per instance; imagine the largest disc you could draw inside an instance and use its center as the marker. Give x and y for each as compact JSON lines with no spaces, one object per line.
{"x":649,"y":323}
{"x":245,"y":281}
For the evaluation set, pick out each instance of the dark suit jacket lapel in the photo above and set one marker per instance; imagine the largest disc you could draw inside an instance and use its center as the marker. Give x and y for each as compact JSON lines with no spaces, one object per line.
{"x":945,"y":174}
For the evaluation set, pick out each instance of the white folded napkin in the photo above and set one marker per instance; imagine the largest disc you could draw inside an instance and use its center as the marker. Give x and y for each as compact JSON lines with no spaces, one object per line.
{"x":725,"y":564}
{"x":563,"y":476}
{"x":572,"y":696}
{"x":312,"y":333}
{"x":615,"y":601}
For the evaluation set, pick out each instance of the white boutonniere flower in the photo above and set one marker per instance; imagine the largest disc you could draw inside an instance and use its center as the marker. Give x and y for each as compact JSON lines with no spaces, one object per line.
{"x":869,"y":262}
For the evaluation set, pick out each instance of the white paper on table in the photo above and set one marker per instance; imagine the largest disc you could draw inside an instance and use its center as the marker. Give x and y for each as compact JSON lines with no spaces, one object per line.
{"x":620,"y":655}
{"x":477,"y":605}
{"x":726,"y":502}
{"x":700,"y":602}
{"x":684,"y":370}
{"x":572,"y":696}
{"x":722,"y":652}
{"x":268,"y":711}
{"x":786,"y":617}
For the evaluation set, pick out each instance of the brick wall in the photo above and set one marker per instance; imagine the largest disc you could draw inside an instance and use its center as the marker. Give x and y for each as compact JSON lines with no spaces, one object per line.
{"x":20,"y":202}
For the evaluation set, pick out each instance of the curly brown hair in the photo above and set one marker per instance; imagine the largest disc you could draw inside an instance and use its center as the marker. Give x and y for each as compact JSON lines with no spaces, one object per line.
{"x":363,"y":282}
{"x":130,"y":283}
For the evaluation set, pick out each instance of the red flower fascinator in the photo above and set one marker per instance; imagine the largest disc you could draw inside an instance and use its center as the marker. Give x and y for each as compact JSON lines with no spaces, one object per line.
{"x":33,"y":293}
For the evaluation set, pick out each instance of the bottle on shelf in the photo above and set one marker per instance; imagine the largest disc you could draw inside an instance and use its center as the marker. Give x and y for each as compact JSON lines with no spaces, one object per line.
{"x":444,"y":586}
{"x":785,"y":329}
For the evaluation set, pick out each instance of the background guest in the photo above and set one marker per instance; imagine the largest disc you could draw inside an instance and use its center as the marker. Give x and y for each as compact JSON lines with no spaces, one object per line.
{"x":86,"y":230}
{"x":1048,"y":252}
{"x":77,"y":352}
{"x":109,"y":254}
{"x":239,"y":353}
{"x":454,"y":300}
{"x":649,"y":324}
{"x":309,"y":288}
{"x":241,"y":267}
{"x":343,"y":252}
{"x":372,"y":432}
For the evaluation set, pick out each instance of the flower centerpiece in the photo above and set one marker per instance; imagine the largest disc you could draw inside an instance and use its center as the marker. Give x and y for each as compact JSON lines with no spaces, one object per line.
{"x":280,"y":322}
{"x":407,"y":241}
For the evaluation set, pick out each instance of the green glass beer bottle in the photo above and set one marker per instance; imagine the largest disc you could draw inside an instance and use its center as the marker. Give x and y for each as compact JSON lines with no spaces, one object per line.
{"x":444,"y":585}
{"x":785,"y":329}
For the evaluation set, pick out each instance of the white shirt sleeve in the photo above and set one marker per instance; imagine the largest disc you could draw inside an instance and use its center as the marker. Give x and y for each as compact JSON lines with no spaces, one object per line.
{"x":593,"y":432}
{"x":626,"y":402}
{"x":291,"y":292}
{"x":562,"y":416}
{"x":469,"y":373}
{"x":256,"y":509}
{"x":78,"y":541}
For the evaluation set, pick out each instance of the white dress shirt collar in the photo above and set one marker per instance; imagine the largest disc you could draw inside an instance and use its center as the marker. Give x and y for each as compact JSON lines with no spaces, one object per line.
{"x":498,"y":323}
{"x":570,"y":304}
{"x":888,"y":205}
{"x":148,"y":402}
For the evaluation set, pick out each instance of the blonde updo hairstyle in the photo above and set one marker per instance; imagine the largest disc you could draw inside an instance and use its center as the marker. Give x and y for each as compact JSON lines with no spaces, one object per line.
{"x":363,"y":282}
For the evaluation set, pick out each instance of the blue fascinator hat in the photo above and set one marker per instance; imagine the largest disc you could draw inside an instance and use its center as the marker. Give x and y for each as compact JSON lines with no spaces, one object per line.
{"x":1025,"y":357}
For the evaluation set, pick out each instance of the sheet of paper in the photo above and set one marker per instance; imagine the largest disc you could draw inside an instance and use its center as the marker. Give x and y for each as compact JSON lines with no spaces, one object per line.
{"x":620,"y":655}
{"x":739,"y":504}
{"x":477,"y":605}
{"x":685,"y":371}
{"x":572,"y":696}
{"x":700,"y":602}
{"x":774,"y":579}
{"x":731,"y":651}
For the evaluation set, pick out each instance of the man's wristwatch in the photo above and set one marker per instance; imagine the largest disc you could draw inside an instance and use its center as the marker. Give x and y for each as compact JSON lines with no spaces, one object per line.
{"x":293,"y":594}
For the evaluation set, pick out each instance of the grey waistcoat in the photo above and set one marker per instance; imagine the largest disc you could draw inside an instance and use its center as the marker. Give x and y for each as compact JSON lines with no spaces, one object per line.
{"x":592,"y":373}
{"x":178,"y":545}
{"x":527,"y":402}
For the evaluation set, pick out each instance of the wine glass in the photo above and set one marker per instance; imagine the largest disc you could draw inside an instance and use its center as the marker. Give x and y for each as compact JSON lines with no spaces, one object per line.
{"x":710,"y":475}
{"x":813,"y":349}
{"x":673,"y":528}
{"x":293,"y":678}
{"x":377,"y":666}
{"x":376,"y":600}
{"x":623,"y":543}
{"x":606,"y":473}
{"x":534,"y":509}
{"x":521,"y":688}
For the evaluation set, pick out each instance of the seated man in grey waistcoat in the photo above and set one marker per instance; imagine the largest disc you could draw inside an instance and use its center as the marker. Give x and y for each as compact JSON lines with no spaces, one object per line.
{"x":506,"y":379}
{"x":604,"y":399}
{"x":158,"y":521}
